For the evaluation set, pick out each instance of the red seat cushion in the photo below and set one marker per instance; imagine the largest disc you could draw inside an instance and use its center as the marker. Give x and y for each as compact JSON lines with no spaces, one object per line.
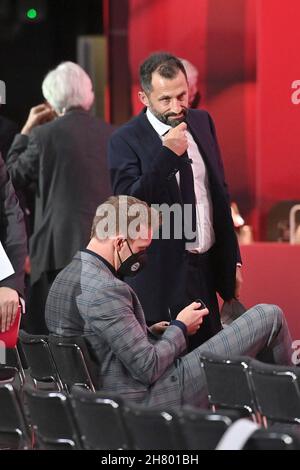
{"x":10,"y":337}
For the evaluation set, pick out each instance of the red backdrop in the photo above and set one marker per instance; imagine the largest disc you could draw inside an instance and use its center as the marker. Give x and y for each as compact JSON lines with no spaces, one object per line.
{"x":218,"y":37}
{"x":257,"y":123}
{"x":278,"y":130}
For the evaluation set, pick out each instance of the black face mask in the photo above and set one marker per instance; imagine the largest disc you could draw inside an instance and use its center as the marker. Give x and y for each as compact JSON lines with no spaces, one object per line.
{"x":133,"y":264}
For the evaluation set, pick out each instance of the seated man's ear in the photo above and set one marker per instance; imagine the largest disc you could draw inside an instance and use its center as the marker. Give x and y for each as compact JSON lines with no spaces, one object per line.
{"x":119,"y":242}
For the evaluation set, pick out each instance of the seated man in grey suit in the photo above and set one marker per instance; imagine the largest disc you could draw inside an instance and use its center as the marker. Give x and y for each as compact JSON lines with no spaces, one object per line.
{"x":144,"y":365}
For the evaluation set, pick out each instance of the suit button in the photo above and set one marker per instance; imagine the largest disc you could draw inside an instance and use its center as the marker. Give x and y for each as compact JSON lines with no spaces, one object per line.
{"x":173,"y":378}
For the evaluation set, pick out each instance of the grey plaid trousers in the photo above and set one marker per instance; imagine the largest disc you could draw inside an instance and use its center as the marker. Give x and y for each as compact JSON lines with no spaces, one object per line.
{"x":262,"y":327}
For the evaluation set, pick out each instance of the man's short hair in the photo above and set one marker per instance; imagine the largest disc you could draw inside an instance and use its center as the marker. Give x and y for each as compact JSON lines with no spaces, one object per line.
{"x":167,"y":65}
{"x":124,"y":215}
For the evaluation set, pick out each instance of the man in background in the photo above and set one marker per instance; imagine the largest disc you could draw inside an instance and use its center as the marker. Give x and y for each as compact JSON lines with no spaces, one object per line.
{"x":169,"y":154}
{"x":62,"y":149}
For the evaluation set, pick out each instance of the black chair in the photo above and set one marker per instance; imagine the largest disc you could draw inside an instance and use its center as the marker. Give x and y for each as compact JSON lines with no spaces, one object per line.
{"x":14,"y":428}
{"x":277,"y":392}
{"x":53,"y":419}
{"x":99,"y":419}
{"x":14,"y":359}
{"x":202,"y":429}
{"x":228,"y":383}
{"x":152,"y":429}
{"x":272,"y":440}
{"x":73,"y":362}
{"x":39,"y":358}
{"x":7,"y":374}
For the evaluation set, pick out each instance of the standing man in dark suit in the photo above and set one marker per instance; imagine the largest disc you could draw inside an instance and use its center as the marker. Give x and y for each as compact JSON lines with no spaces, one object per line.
{"x":13,"y":240}
{"x":61,"y":149}
{"x":169,"y":155}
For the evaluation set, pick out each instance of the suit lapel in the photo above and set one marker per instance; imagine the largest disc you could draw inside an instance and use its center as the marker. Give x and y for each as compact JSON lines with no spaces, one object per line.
{"x":206,"y":145}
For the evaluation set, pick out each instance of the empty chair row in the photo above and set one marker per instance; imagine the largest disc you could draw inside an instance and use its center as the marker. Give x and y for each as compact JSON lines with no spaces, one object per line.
{"x":268,"y":391}
{"x":62,"y":361}
{"x":87,"y":420}
{"x":241,"y":383}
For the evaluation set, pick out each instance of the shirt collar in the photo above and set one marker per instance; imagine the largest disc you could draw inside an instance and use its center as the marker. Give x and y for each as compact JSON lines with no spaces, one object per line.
{"x":104,"y":261}
{"x":157,"y":125}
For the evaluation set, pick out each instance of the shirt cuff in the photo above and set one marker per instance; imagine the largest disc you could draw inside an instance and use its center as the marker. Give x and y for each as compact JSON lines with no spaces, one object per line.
{"x":180,"y":325}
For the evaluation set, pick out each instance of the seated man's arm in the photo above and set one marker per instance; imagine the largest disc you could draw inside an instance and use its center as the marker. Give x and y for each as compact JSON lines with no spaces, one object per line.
{"x":112,"y":318}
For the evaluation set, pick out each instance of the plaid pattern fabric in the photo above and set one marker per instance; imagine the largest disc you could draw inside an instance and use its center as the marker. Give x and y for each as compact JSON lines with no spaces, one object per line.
{"x":262,"y":328}
{"x":86,"y":298}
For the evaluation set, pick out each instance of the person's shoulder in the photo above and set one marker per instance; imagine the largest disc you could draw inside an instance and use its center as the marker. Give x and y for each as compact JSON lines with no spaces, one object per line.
{"x":198,"y":113}
{"x":129,"y":128}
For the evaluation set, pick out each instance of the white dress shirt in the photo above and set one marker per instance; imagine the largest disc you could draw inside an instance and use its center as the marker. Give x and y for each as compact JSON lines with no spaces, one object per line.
{"x":204,"y":210}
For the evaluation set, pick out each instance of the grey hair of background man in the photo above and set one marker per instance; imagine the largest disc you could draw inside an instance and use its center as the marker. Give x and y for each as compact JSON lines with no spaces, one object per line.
{"x":191,"y":70}
{"x":68,"y":86}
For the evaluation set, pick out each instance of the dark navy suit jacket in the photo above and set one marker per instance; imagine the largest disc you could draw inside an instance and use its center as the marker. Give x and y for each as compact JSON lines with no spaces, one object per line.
{"x":142,"y":167}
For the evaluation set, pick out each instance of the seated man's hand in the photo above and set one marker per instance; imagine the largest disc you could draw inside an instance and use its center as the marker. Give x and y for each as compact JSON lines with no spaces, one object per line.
{"x":192,"y":317}
{"x":9,"y":302}
{"x":159,"y":328}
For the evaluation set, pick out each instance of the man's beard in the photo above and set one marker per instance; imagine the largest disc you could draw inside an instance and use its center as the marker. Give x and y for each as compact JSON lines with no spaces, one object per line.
{"x":165,"y":118}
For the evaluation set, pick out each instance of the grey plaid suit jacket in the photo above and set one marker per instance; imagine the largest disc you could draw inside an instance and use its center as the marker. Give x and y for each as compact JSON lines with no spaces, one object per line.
{"x":87,"y":298}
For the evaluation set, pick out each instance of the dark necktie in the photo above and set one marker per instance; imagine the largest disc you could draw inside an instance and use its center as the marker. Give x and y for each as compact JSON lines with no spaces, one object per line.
{"x":187,"y":190}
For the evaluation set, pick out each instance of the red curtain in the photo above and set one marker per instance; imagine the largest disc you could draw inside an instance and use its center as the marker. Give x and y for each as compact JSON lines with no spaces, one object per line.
{"x":278,"y":131}
{"x":218,"y":37}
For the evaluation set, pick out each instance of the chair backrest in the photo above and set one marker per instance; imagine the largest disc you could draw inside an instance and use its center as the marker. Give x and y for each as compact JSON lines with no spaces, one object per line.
{"x":202,"y":429}
{"x":99,"y":419}
{"x":152,"y":429}
{"x":14,"y":428}
{"x":73,"y":362}
{"x":52,"y":417}
{"x":278,"y":221}
{"x":273,"y":440}
{"x":7,"y":374}
{"x":227,"y":381}
{"x":39,"y":358}
{"x":277,"y":391}
{"x":15,"y":358}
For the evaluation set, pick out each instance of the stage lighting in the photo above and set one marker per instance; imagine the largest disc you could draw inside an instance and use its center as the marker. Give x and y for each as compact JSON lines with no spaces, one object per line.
{"x":32,"y":11}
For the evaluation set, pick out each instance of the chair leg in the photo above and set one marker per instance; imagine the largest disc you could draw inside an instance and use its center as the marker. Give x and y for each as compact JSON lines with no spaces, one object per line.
{"x":20,"y":368}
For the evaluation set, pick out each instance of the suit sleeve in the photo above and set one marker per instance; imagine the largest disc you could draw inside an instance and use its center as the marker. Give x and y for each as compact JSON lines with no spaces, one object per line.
{"x":23,"y":160}
{"x":222,"y":172}
{"x":126,"y":173}
{"x":118,"y":327}
{"x":12,"y":231}
{"x":219,"y":158}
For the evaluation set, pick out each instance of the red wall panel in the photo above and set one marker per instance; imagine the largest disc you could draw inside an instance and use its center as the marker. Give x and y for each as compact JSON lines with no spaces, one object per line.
{"x":278,"y":130}
{"x":171,"y":25}
{"x":218,"y":37}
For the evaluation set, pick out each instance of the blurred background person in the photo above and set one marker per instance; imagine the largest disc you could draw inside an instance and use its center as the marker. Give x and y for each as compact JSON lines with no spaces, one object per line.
{"x":8,"y":130}
{"x":62,"y":149}
{"x":192,"y":77}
